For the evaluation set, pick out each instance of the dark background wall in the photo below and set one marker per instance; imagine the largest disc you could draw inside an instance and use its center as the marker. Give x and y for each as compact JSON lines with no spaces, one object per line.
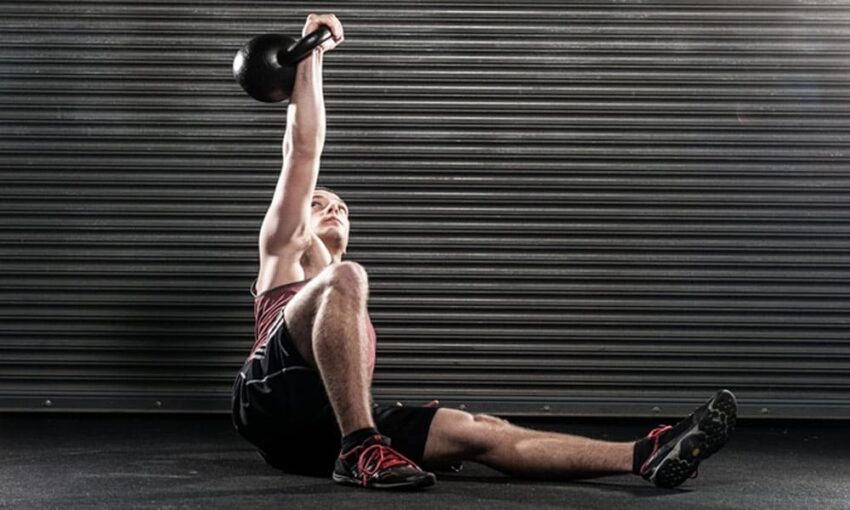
{"x":576,"y":208}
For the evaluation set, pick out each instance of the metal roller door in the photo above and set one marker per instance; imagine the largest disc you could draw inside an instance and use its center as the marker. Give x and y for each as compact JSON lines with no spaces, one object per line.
{"x":572,"y":208}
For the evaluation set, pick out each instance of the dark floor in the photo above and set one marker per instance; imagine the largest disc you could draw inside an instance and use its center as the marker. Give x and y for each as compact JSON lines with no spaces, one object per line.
{"x":147,"y":461}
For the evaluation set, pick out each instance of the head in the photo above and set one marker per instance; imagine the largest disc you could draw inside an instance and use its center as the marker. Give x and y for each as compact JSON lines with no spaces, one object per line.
{"x":329,"y":219}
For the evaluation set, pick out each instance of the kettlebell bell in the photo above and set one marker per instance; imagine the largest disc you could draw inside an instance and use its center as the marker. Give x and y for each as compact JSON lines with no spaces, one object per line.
{"x":265,"y":66}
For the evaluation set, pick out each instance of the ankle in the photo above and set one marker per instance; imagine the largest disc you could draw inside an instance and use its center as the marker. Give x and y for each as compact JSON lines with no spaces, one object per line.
{"x":357,"y":437}
{"x":641,"y":451}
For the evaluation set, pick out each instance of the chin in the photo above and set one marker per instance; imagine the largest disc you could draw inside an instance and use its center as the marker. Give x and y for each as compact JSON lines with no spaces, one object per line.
{"x":332,"y":236}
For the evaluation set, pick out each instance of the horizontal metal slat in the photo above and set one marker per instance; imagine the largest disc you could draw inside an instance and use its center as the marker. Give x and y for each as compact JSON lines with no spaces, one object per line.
{"x":575,"y":200}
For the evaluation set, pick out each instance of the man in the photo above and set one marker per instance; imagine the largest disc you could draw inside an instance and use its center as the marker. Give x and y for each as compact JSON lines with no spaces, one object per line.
{"x":303,"y":395}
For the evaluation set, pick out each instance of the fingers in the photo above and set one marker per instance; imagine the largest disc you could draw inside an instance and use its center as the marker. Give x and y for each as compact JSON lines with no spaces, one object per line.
{"x":314,"y":21}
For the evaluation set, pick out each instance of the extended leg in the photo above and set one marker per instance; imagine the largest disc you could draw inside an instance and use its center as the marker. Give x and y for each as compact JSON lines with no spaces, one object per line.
{"x":457,"y":435}
{"x":667,"y":457}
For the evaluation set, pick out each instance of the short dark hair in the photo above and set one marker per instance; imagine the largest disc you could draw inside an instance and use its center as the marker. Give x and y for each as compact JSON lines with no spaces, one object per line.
{"x":325,"y":188}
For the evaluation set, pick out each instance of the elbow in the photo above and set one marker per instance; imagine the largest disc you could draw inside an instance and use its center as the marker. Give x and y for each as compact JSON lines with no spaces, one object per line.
{"x":308,"y":144}
{"x":304,"y":147}
{"x":305,"y":153}
{"x":305,"y":134}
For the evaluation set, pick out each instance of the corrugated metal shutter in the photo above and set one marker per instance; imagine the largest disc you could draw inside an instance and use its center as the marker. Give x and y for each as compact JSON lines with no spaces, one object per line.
{"x":569,"y":208}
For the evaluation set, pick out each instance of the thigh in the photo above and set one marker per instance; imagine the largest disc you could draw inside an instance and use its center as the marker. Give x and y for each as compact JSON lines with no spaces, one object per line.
{"x":300,"y":315}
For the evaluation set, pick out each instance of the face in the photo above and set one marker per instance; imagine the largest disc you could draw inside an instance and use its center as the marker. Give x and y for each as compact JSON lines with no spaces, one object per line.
{"x":330,"y":218}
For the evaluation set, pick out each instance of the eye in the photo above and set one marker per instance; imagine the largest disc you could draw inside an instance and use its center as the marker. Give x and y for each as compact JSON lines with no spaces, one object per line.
{"x":314,"y":203}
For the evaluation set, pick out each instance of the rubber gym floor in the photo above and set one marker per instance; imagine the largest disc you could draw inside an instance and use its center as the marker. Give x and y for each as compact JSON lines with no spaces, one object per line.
{"x":190,"y":461}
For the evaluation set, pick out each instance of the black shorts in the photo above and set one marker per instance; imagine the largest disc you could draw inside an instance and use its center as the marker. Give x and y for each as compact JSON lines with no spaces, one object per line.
{"x":280,"y":405}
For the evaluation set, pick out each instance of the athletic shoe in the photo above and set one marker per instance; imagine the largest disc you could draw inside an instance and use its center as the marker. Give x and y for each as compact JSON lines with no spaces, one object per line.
{"x":374,"y":465}
{"x":677,"y":451}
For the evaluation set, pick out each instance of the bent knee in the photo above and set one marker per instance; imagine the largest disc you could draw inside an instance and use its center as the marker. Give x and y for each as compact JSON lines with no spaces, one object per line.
{"x":348,"y":277}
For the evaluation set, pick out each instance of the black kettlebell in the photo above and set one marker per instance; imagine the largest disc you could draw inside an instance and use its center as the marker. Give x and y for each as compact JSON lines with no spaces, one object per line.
{"x":265,"y":66}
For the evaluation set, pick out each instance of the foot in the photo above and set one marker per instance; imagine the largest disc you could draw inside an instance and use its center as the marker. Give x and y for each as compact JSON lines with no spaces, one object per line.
{"x":678,"y":450}
{"x":374,"y":465}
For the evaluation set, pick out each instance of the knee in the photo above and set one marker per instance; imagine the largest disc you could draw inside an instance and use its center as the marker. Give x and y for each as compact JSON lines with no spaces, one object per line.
{"x":491,"y":431}
{"x":477,"y":434}
{"x":489,"y":421}
{"x":348,"y":278}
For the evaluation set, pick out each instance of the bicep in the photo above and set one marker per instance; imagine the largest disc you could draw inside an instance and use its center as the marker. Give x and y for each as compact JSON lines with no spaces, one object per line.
{"x":287,"y":220}
{"x":278,"y":270}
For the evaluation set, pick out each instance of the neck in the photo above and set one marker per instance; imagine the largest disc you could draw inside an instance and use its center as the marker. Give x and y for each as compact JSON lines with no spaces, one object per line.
{"x":336,"y":251}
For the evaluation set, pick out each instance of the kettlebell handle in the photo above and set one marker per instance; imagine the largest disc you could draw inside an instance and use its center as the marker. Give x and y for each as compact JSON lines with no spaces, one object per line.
{"x":303,"y":47}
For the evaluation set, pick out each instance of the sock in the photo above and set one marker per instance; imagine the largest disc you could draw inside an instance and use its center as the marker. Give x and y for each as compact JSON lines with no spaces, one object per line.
{"x":643,"y":449}
{"x":357,"y":437}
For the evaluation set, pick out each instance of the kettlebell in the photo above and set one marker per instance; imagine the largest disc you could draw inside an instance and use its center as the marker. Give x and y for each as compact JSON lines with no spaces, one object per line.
{"x":265,"y":66}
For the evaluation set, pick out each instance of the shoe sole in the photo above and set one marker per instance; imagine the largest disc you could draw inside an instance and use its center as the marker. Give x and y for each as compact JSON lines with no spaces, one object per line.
{"x":425,"y":481}
{"x":699,"y":442}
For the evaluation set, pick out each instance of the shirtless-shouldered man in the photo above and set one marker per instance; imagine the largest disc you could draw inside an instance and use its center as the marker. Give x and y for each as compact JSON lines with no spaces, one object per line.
{"x":303,"y":395}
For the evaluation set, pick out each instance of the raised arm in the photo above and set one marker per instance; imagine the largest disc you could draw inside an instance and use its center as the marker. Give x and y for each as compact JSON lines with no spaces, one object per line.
{"x":285,"y":233}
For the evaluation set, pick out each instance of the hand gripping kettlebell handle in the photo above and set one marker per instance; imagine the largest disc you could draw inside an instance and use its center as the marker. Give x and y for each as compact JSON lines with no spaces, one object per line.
{"x":304,"y":46}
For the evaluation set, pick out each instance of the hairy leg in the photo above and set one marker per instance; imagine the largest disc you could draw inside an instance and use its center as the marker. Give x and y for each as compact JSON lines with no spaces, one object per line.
{"x":456,"y":435}
{"x":327,"y":323}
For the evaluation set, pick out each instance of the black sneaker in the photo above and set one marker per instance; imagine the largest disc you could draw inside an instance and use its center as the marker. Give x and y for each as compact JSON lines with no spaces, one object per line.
{"x":375,"y":465}
{"x":678,"y":450}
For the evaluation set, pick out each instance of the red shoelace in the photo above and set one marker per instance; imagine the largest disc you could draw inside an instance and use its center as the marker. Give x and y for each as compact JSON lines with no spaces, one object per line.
{"x":655,"y":436}
{"x":378,"y":457}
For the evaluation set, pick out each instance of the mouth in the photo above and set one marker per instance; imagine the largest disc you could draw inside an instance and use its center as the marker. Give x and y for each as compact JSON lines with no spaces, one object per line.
{"x":332,"y":220}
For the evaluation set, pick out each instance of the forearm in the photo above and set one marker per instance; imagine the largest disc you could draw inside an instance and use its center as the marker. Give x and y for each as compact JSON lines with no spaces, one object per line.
{"x":305,"y":123}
